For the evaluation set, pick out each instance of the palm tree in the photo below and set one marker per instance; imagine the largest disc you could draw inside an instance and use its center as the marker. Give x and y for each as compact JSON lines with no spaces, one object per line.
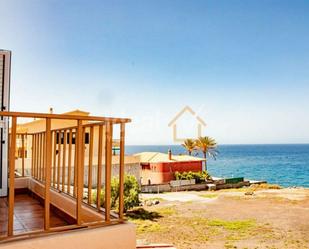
{"x":208,"y":146}
{"x":189,"y":145}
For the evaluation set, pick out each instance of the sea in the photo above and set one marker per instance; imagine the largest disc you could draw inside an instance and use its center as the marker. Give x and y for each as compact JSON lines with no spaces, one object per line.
{"x":283,"y":164}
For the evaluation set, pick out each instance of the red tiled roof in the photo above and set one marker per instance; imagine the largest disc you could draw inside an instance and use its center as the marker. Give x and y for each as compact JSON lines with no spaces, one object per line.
{"x":158,"y":157}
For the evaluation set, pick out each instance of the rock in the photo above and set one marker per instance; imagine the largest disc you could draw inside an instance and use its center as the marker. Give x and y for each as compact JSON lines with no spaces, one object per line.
{"x":249,"y":193}
{"x":156,"y":202}
{"x":148,"y":203}
{"x":211,"y":186}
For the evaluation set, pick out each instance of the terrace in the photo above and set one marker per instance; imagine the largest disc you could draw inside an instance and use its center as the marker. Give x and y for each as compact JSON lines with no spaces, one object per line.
{"x":59,"y":193}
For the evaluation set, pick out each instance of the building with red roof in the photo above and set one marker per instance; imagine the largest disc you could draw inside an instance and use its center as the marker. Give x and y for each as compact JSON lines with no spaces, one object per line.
{"x":158,"y":168}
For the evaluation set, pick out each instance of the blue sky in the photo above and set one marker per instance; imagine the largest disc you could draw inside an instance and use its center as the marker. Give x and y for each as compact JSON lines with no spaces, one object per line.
{"x":242,"y":65}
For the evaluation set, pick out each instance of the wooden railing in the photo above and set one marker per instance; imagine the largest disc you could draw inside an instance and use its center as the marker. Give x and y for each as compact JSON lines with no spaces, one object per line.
{"x":70,"y":160}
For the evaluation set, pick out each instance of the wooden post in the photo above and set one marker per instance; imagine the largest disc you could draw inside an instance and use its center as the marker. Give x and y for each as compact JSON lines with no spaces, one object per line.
{"x":75,"y":167}
{"x":64,"y":158}
{"x":80,"y":172}
{"x":47,"y":163}
{"x":69,"y":162}
{"x":32,"y":154}
{"x":90,"y":164}
{"x":36,"y":156}
{"x":12,"y":177}
{"x":54,"y":158}
{"x":44,"y":155}
{"x":99,"y":173}
{"x":108,"y":167}
{"x":40,"y":157}
{"x":121,"y":171}
{"x":23,"y":154}
{"x":59,"y":160}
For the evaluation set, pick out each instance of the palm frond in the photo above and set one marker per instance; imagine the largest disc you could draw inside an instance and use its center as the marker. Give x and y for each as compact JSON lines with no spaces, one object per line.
{"x":189,"y":145}
{"x":207,"y":145}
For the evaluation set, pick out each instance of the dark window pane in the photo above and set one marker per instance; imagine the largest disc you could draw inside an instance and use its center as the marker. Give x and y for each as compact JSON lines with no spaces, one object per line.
{"x":87,"y":138}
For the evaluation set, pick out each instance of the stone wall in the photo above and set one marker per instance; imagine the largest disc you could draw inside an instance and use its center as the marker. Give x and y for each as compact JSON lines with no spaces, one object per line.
{"x":159,"y":188}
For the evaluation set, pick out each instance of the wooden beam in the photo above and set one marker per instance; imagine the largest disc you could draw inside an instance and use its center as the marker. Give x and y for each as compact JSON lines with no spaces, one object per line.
{"x":12,"y":177}
{"x":64,"y":116}
{"x":121,"y":171}
{"x":48,"y":163}
{"x":108,"y":168}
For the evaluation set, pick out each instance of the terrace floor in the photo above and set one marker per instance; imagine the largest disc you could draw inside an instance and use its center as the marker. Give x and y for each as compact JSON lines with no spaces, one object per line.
{"x":28,"y":215}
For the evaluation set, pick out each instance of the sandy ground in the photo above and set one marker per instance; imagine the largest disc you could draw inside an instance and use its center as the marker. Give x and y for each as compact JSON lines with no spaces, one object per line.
{"x":178,"y":196}
{"x":228,"y":219}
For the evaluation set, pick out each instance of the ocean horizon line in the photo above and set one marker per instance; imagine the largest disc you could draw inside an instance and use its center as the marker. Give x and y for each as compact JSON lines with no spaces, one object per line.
{"x":225,"y":144}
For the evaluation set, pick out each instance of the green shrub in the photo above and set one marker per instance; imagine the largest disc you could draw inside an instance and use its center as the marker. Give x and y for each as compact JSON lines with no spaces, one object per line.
{"x":199,"y":177}
{"x":177,"y":175}
{"x":131,"y":191}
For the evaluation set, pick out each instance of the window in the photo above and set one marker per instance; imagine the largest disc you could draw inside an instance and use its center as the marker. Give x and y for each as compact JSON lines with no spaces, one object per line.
{"x":145,"y":166}
{"x":20,"y":153}
{"x":61,"y":134}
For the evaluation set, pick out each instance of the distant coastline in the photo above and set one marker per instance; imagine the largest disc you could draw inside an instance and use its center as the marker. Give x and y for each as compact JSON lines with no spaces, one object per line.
{"x":283,"y":164}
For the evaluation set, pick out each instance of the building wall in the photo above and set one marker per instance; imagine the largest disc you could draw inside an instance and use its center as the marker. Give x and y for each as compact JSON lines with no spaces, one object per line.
{"x":120,"y":236}
{"x":39,"y":126}
{"x":164,"y":172}
{"x":131,"y":168}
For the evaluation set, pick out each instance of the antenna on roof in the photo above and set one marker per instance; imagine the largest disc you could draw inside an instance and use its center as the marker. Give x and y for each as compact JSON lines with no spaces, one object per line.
{"x":169,"y":154}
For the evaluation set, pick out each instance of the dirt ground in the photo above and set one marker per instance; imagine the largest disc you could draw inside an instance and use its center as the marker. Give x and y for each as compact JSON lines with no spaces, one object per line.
{"x":226,"y":219}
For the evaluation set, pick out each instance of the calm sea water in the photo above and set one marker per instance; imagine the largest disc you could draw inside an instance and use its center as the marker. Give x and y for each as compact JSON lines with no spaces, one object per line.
{"x":287,"y":165}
